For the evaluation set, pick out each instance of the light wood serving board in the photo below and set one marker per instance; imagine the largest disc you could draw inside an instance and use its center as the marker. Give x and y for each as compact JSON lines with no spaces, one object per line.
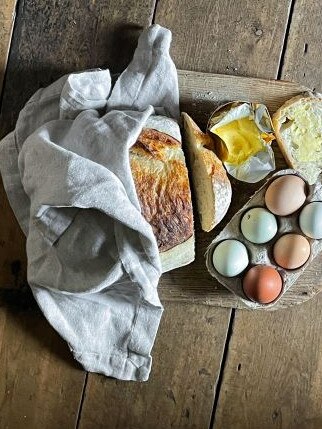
{"x":200,"y":94}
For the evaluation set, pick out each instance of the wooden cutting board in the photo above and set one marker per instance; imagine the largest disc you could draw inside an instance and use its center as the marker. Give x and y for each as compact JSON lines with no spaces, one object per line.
{"x":200,"y":94}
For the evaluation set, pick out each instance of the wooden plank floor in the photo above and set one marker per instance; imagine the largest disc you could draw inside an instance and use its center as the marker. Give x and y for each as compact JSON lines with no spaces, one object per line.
{"x":213,"y":367}
{"x":274,"y":363}
{"x":7,"y":18}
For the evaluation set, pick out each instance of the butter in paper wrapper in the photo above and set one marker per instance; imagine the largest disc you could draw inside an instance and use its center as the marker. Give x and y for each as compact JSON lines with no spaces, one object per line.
{"x":243,"y":133}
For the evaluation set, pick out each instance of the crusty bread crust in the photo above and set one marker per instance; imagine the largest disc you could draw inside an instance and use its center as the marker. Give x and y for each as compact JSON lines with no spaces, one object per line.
{"x":178,"y":256}
{"x":277,"y":124}
{"x":161,"y":180}
{"x":201,"y":145}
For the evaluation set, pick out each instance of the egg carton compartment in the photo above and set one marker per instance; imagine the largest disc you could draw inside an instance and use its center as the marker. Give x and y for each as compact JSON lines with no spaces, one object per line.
{"x":262,"y":254}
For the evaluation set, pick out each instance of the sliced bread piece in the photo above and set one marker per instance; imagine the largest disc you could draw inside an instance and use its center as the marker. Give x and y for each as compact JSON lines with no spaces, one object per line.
{"x":298,"y":130}
{"x":211,"y":184}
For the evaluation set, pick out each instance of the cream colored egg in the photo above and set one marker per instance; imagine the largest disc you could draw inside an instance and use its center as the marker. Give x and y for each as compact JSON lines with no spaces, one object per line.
{"x":285,"y":195}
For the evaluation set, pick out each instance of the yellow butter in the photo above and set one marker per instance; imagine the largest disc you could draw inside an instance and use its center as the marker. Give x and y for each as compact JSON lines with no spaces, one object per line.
{"x":304,"y":128}
{"x":240,"y":139}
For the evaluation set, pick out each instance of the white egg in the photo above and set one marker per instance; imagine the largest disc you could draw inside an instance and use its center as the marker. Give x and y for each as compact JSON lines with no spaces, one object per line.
{"x":230,"y":258}
{"x":258,"y":225}
{"x":311,"y":220}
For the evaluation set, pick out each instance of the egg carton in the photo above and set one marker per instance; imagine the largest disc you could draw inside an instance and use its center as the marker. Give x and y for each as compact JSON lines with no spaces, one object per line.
{"x":260,"y":254}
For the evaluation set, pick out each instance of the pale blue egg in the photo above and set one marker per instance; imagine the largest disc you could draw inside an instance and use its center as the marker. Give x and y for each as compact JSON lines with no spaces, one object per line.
{"x":258,"y":225}
{"x":230,"y":258}
{"x":311,"y":220}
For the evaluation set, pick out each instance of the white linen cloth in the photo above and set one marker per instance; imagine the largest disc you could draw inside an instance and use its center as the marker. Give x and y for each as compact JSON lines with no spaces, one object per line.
{"x":93,"y":261}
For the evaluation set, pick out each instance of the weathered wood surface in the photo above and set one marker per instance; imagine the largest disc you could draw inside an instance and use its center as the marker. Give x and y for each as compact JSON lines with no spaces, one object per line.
{"x":240,"y":38}
{"x":180,"y":391}
{"x":54,"y":38}
{"x":247,"y":29}
{"x":302,"y":61}
{"x":148,"y":405}
{"x":7,"y":18}
{"x":201,"y":93}
{"x":41,"y":386}
{"x":273,"y":372}
{"x":12,"y":270}
{"x":51,"y":39}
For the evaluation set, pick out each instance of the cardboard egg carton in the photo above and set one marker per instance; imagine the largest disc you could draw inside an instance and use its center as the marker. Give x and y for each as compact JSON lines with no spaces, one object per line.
{"x":263,"y":253}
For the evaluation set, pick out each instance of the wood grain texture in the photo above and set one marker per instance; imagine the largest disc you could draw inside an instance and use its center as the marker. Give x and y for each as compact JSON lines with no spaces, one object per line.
{"x":241,"y":38}
{"x":273,"y":375}
{"x":231,"y":38}
{"x":179,"y":394}
{"x":200,"y":94}
{"x":13,"y":263}
{"x":7,"y":17}
{"x":54,"y":38}
{"x":302,"y":61}
{"x":273,"y":372}
{"x":38,"y":50}
{"x":40,"y":386}
{"x":51,"y":39}
{"x":164,"y":401}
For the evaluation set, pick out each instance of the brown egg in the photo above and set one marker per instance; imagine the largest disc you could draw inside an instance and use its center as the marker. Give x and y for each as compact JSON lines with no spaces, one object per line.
{"x":285,"y":195}
{"x":291,"y":251}
{"x":262,"y":284}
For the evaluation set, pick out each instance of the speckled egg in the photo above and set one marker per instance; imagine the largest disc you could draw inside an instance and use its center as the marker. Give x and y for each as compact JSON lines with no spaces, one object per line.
{"x":258,"y":225}
{"x":230,"y":258}
{"x":311,"y":220}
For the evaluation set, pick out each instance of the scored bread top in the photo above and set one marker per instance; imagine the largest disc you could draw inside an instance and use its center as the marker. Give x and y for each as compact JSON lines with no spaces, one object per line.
{"x":162,"y":185}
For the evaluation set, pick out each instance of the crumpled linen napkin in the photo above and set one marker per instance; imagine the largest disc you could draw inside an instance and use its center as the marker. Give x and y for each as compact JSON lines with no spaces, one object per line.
{"x":93,"y":261}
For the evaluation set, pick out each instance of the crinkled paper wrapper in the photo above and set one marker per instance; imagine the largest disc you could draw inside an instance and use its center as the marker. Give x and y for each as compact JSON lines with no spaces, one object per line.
{"x":261,"y":164}
{"x":262,"y":253}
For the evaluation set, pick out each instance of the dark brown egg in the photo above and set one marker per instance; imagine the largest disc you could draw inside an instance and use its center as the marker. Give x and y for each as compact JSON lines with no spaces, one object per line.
{"x":262,"y":284}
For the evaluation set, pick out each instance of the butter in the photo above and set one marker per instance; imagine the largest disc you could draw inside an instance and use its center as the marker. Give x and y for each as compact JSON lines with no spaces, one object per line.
{"x":240,"y":139}
{"x":303,"y":129}
{"x":242,"y":134}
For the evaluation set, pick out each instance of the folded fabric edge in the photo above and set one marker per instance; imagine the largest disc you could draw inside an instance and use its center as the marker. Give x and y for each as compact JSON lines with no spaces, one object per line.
{"x":114,"y":364}
{"x":131,"y":363}
{"x":130,"y":366}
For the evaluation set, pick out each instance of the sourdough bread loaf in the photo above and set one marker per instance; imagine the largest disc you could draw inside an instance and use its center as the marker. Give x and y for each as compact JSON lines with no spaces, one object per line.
{"x":211,"y":184}
{"x":162,"y":185}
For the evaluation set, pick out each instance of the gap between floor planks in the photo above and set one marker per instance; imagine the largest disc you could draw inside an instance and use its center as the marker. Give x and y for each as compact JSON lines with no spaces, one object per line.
{"x":233,"y":313}
{"x":185,"y":64}
{"x":227,"y":344}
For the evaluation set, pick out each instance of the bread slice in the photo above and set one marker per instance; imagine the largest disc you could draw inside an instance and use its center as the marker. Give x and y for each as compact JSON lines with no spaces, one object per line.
{"x":161,"y":180}
{"x":298,"y":129}
{"x":211,"y":184}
